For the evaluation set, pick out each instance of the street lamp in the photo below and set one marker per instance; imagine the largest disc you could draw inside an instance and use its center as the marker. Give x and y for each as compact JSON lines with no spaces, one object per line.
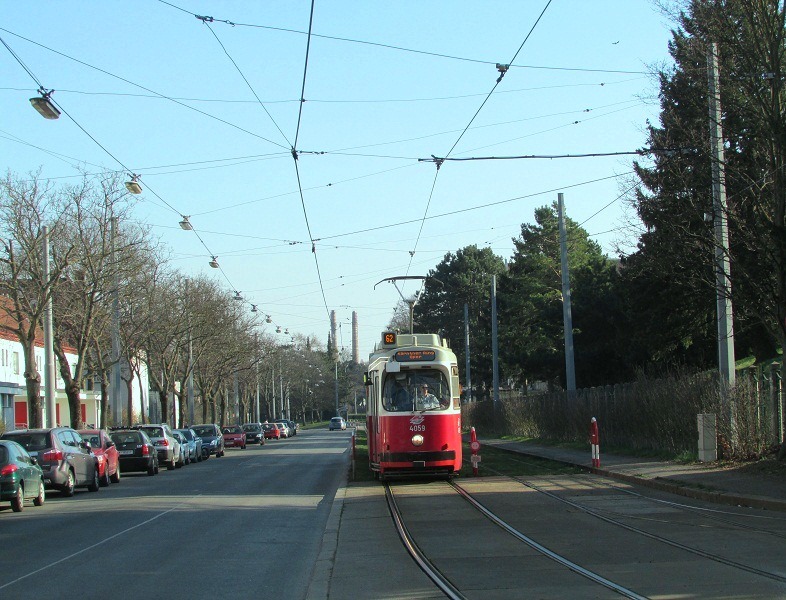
{"x":214,"y":262}
{"x":44,"y":105}
{"x":186,"y":224}
{"x":133,"y":185}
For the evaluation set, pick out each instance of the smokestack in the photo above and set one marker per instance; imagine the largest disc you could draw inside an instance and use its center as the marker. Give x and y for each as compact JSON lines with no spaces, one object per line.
{"x":355,"y":349}
{"x":333,"y":333}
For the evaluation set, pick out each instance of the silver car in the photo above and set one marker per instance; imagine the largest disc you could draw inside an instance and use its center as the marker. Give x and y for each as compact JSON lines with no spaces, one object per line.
{"x":167,"y":446}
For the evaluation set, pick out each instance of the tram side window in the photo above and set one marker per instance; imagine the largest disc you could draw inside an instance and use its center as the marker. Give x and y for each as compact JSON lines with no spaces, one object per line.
{"x":421,"y":390}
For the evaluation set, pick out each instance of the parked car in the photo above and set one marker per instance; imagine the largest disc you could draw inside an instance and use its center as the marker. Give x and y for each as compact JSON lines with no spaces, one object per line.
{"x":212,"y":439}
{"x":272,"y":432}
{"x":254,"y":433}
{"x":106,"y":453}
{"x":166,"y":444}
{"x":136,"y":452}
{"x":287,"y":430}
{"x":337,"y":423}
{"x":234,"y":437}
{"x":21,"y":478}
{"x":194,"y":444}
{"x":64,"y":457}
{"x":185,"y":451}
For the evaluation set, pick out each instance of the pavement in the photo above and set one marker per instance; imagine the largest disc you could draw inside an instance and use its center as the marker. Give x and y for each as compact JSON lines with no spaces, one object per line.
{"x":359,"y":531}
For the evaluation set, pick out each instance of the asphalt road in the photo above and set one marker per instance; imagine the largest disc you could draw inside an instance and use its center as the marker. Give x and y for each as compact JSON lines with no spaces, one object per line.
{"x":246,"y":525}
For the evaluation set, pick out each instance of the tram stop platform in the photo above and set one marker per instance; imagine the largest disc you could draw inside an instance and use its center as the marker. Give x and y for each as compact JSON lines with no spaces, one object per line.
{"x":360,"y":537}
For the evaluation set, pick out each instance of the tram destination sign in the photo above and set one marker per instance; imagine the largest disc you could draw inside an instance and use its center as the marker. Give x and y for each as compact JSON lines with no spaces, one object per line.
{"x":415,"y":355}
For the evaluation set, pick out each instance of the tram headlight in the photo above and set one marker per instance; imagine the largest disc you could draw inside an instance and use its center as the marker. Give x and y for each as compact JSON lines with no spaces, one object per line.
{"x":417,"y":440}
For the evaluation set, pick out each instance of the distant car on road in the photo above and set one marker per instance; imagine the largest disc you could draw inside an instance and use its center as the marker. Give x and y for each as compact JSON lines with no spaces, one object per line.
{"x":337,"y":423}
{"x":194,"y":443}
{"x":234,"y":437}
{"x":104,"y":448}
{"x":135,"y":451}
{"x":254,"y":433}
{"x":212,"y":439}
{"x":20,"y":476}
{"x":272,"y":432}
{"x":166,"y":444}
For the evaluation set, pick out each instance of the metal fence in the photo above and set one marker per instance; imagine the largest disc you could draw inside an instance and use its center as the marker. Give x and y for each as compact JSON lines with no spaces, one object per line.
{"x":650,"y":414}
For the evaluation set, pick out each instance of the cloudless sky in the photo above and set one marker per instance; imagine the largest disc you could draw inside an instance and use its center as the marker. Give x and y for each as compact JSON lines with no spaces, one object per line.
{"x":207,"y":113}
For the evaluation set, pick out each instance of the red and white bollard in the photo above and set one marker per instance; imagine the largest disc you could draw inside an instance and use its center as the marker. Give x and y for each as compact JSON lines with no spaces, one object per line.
{"x":474,"y":445}
{"x":595,"y":441}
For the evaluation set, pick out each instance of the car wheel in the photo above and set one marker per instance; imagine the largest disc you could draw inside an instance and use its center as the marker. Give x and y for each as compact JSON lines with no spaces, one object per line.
{"x":116,"y":477}
{"x":104,"y":481}
{"x":68,"y":489}
{"x":93,"y":487}
{"x":172,"y":465}
{"x":39,"y":500}
{"x":18,"y":501}
{"x":157,"y":469}
{"x":243,"y":447}
{"x":152,"y":470}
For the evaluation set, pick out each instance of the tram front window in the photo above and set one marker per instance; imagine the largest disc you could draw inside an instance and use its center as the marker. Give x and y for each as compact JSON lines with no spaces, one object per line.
{"x":421,"y":390}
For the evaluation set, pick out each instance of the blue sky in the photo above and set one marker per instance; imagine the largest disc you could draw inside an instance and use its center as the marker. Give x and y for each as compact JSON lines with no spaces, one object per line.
{"x":207,"y":112}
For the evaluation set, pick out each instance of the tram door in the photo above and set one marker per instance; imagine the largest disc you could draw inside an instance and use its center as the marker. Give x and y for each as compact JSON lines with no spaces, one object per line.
{"x":372,"y":418}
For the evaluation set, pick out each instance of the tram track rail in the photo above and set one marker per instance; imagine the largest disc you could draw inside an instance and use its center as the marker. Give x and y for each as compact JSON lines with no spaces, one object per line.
{"x":653,"y":536}
{"x":444,"y":583}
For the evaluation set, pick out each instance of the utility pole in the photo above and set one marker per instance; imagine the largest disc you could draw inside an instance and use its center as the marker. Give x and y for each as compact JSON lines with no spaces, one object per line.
{"x":50,"y":381}
{"x":117,"y":403}
{"x":494,"y":343}
{"x":567,"y":317}
{"x":466,"y":353}
{"x":722,"y":282}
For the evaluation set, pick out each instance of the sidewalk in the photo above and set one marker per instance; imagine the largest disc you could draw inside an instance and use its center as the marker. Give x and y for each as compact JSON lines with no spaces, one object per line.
{"x":738,"y":485}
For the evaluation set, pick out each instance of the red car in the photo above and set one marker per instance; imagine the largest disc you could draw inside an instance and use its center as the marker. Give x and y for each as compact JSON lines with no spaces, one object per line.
{"x":106,"y":455}
{"x":234,"y":437}
{"x":272,"y":432}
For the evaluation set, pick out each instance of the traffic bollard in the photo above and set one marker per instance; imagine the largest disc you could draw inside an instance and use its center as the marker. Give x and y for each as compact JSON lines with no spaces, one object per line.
{"x":595,"y":441}
{"x":474,"y":445}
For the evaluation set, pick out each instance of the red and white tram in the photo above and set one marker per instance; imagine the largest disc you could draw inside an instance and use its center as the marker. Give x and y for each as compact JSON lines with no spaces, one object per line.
{"x":414,"y":413}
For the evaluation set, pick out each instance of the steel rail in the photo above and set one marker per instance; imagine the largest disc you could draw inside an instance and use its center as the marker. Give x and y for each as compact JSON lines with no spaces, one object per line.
{"x":417,"y":554}
{"x":578,"y":569}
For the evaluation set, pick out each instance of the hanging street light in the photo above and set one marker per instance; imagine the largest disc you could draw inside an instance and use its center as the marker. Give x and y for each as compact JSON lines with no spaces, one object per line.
{"x":44,"y":105}
{"x":133,"y":185}
{"x":238,"y":297}
{"x":253,"y":308}
{"x":268,"y":319}
{"x":214,"y":262}
{"x":185,"y":224}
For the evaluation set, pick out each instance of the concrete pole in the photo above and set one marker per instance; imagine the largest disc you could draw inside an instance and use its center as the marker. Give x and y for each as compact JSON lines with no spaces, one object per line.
{"x":494,"y":343}
{"x":567,"y":317}
{"x":115,"y":385}
{"x":50,"y":381}
{"x":468,"y":397}
{"x":337,"y":413}
{"x":722,"y":281}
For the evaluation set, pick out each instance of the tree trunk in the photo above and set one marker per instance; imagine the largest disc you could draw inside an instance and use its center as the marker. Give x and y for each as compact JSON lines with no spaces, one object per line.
{"x":163,"y":399}
{"x":104,"y":401}
{"x":35,"y":416}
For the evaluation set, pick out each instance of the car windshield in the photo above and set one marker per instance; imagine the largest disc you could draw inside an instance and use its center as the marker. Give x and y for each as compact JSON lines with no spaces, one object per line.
{"x":411,"y":390}
{"x":204,"y":431}
{"x":127,"y":437}
{"x":250,"y":427}
{"x":31,"y":441}
{"x":92,"y":439}
{"x":185,"y":433}
{"x":153,"y":432}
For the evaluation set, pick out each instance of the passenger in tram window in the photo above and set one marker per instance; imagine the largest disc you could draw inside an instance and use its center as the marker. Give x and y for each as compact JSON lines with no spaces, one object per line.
{"x":400,"y":399}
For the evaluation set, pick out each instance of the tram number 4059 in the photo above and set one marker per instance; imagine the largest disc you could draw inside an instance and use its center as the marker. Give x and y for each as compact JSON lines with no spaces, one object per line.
{"x":417,"y":428}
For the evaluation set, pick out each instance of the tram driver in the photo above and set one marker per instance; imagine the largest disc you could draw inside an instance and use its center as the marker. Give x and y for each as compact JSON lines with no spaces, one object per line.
{"x":427,"y":400}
